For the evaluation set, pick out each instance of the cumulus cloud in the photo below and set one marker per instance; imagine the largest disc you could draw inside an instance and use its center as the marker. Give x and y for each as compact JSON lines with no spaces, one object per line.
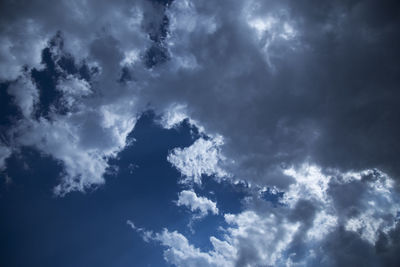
{"x":273,"y":84}
{"x":307,"y":231}
{"x":25,"y":94}
{"x":5,"y":152}
{"x":201,"y":158}
{"x":365,"y":203}
{"x":200,"y":205}
{"x":62,"y":68}
{"x":249,"y":240}
{"x":82,"y":141}
{"x":252,"y":75}
{"x":173,"y":116}
{"x":180,"y":252}
{"x":283,"y":82}
{"x":21,"y":44}
{"x":73,"y":88}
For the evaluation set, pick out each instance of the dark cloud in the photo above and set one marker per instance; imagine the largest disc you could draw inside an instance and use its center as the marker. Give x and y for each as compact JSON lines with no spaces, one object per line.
{"x":328,"y":94}
{"x":284,"y":83}
{"x":388,"y":247}
{"x":344,"y":248}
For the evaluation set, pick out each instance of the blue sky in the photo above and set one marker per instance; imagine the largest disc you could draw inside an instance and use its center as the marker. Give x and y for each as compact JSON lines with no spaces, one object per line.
{"x":199,"y":133}
{"x":39,"y":228}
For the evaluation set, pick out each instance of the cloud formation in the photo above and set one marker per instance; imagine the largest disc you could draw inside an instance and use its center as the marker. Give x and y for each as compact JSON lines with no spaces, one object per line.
{"x":281,"y":82}
{"x":63,"y":68}
{"x":328,"y":227}
{"x":196,"y":204}
{"x":284,"y":82}
{"x":201,"y":158}
{"x":298,"y":96}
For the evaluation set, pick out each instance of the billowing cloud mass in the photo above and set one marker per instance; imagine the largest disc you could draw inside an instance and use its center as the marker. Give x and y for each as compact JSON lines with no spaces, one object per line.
{"x":5,"y":152}
{"x":200,"y":205}
{"x":329,"y":226}
{"x":297,"y":96}
{"x":201,"y":158}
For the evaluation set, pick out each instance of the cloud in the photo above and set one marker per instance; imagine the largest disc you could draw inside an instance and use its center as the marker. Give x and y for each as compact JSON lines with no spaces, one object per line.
{"x":27,"y":28}
{"x":82,"y":141}
{"x":173,"y":116}
{"x":78,"y":128}
{"x":59,"y":67}
{"x":73,"y":88}
{"x":181,"y":253}
{"x":249,"y":240}
{"x":21,"y":44}
{"x":201,"y":158}
{"x":200,"y":205}
{"x":298,"y":96}
{"x":281,"y":82}
{"x":308,"y":231}
{"x":25,"y":94}
{"x":286,"y":82}
{"x":5,"y":152}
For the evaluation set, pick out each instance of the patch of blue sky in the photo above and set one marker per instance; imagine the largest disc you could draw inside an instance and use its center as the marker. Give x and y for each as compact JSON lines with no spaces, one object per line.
{"x":40,"y":229}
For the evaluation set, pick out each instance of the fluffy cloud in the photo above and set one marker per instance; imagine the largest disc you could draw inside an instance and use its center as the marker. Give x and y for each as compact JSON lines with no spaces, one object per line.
{"x":323,"y":227}
{"x":201,"y":158}
{"x":280,"y":82}
{"x":283,"y":82}
{"x":249,"y":240}
{"x":200,"y":205}
{"x":60,"y":67}
{"x":25,"y":94}
{"x":21,"y":44}
{"x":274,"y":84}
{"x":181,"y":253}
{"x":78,"y":128}
{"x":5,"y":152}
{"x":173,"y":116}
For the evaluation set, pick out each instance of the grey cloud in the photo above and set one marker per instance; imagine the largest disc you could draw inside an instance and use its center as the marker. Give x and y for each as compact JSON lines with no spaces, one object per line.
{"x":303,"y":232}
{"x":5,"y":152}
{"x":388,"y":247}
{"x":326,"y":94}
{"x":284,"y":82}
{"x":80,"y":121}
{"x":329,"y":94}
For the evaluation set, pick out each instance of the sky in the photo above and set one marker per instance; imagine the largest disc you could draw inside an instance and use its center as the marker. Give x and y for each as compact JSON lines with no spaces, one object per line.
{"x":199,"y":133}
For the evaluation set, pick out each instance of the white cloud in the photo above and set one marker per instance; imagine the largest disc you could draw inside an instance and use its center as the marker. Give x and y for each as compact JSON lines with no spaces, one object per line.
{"x":173,"y":116}
{"x":82,"y":141}
{"x":25,"y":94}
{"x":16,"y":53}
{"x":372,"y":209}
{"x":264,"y":238}
{"x":323,"y":224}
{"x":180,"y":252}
{"x":200,"y":205}
{"x":97,"y":115}
{"x":271,"y":29}
{"x":219,"y":71}
{"x":201,"y":158}
{"x":5,"y":152}
{"x":310,"y":183}
{"x":261,"y":239}
{"x":379,"y":207}
{"x":289,"y":236}
{"x":73,"y":90}
{"x":131,"y":57}
{"x":186,"y":19}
